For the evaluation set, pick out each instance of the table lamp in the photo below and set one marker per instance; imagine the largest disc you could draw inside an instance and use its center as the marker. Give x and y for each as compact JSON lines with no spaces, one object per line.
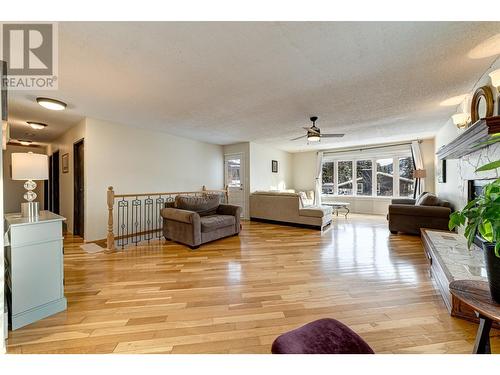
{"x":29,"y":166}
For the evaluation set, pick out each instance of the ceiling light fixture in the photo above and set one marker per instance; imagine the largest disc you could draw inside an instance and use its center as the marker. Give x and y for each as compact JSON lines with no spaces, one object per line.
{"x":36,"y":125}
{"x":313,"y":138}
{"x":495,"y":78}
{"x":25,"y":143}
{"x":52,"y":104}
{"x":460,"y":120}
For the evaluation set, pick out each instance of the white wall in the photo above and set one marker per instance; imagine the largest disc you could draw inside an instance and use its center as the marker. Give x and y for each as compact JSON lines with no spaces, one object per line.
{"x":13,"y":191}
{"x":304,"y":170}
{"x":261,"y":175}
{"x":136,"y":161}
{"x":66,"y":180}
{"x":427,"y":148}
{"x":453,"y":189}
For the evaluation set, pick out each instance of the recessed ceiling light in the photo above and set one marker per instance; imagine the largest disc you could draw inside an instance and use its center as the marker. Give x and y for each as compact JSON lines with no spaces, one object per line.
{"x":25,"y":143}
{"x":52,"y":104}
{"x":36,"y":125}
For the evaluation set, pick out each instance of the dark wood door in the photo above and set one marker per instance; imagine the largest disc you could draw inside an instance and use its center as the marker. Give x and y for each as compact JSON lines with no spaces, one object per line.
{"x":53,"y":185}
{"x":79,"y":208}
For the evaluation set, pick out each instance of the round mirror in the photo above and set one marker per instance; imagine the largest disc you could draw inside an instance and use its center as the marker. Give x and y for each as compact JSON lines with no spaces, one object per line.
{"x":482,"y":104}
{"x":481,"y":107}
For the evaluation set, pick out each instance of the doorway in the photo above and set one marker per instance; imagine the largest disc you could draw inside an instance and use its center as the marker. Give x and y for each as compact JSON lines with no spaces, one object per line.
{"x":234,"y":175}
{"x":53,"y":184}
{"x":78,"y":183}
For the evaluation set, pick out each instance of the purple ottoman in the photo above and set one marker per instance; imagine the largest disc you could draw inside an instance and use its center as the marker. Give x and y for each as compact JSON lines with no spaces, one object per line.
{"x":323,"y":336}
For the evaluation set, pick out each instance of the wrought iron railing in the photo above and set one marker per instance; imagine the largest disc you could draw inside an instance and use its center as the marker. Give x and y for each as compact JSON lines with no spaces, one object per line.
{"x":134,"y":218}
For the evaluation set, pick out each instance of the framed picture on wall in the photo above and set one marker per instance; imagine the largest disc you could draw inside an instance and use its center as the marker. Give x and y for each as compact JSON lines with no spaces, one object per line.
{"x":274,"y":166}
{"x":441,"y":171}
{"x":65,"y":163}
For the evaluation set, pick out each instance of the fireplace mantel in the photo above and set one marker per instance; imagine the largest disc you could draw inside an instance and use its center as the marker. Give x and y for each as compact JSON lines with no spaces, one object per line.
{"x":468,"y":141}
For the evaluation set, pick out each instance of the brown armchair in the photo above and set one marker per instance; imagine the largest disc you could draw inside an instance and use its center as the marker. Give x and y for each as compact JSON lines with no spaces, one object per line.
{"x":409,"y":215}
{"x":197,"y":220}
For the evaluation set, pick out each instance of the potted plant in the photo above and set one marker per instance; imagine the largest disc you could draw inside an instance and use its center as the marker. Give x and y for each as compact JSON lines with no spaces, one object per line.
{"x":481,"y":217}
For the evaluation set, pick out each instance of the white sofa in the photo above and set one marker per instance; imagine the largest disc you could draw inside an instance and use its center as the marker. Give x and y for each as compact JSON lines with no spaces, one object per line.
{"x":289,"y":208}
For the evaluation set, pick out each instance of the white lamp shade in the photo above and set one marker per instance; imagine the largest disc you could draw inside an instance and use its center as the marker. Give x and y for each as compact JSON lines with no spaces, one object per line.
{"x":30,"y":166}
{"x":495,"y":78}
{"x":460,"y":118}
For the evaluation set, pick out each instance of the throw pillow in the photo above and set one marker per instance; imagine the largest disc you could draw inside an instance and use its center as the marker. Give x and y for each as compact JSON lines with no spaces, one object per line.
{"x":204,"y":205}
{"x":419,"y":198}
{"x":303,"y":199}
{"x":310,"y":195}
{"x":429,"y":199}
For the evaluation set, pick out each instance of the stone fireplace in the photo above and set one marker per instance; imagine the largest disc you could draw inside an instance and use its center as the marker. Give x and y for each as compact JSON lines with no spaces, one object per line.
{"x":471,"y":182}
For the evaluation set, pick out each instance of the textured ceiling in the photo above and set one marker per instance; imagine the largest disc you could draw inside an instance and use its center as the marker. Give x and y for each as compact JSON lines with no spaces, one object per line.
{"x":243,"y":81}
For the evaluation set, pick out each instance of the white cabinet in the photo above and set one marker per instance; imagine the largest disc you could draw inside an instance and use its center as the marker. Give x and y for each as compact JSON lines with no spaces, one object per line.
{"x":34,"y":267}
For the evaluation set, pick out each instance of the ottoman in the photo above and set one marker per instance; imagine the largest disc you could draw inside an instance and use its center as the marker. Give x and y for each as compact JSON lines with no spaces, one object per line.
{"x":323,"y":336}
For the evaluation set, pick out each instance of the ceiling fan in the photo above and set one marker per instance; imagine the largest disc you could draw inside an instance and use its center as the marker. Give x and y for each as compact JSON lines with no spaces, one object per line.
{"x":314,"y":133}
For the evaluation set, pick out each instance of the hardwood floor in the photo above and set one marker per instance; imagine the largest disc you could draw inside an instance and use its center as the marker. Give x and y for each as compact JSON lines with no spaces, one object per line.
{"x":238,"y":294}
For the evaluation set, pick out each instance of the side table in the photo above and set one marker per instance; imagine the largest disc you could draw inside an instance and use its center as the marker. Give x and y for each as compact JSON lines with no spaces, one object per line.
{"x":476,"y":295}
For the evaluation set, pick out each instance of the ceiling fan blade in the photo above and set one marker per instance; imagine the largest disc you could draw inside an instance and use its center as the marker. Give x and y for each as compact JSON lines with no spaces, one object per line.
{"x":306,"y":128}
{"x":295,"y":139}
{"x":311,"y":130}
{"x":332,"y":135}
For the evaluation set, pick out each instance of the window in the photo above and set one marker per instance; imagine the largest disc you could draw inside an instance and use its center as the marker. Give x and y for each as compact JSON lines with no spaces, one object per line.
{"x":364,"y":177}
{"x":344,"y":185}
{"x":406,"y":182}
{"x":385,"y":177}
{"x":327,"y":177}
{"x":381,"y":173}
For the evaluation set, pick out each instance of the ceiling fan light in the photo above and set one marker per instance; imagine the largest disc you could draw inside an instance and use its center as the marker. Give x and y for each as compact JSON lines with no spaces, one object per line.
{"x":52,"y":104}
{"x":36,"y":125}
{"x":313,"y":138}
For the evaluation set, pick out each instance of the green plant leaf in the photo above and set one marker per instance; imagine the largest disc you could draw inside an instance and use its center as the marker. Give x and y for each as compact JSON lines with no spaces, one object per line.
{"x":488,"y":167}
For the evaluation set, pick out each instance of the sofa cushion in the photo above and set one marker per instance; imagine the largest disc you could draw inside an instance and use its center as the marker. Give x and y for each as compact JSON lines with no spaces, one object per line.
{"x":315,"y":211}
{"x":204,"y":205}
{"x":214,"y":222}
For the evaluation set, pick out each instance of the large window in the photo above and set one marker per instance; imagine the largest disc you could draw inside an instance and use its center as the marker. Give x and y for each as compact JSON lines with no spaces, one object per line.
{"x":385,"y":176}
{"x":344,"y":184}
{"x":406,"y":181}
{"x":327,"y":177}
{"x":364,"y":177}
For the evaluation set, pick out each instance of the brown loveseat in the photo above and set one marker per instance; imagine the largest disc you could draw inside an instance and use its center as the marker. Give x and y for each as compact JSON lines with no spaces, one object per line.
{"x":197,"y":220}
{"x":427,"y":211}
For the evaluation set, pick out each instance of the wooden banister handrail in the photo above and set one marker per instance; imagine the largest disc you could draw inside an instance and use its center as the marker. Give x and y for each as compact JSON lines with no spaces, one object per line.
{"x":169,"y":193}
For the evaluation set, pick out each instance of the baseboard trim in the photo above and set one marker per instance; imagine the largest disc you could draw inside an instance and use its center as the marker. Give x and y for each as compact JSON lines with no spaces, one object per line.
{"x":27,"y":317}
